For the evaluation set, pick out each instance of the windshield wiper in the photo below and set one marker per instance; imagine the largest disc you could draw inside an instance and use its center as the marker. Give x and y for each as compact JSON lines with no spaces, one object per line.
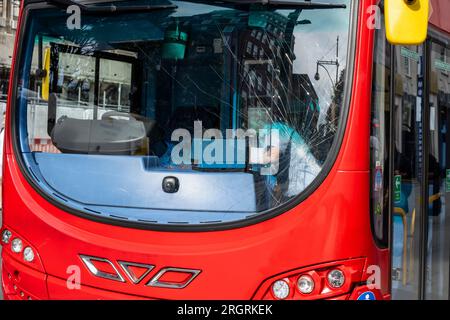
{"x":111,"y":8}
{"x":282,"y":4}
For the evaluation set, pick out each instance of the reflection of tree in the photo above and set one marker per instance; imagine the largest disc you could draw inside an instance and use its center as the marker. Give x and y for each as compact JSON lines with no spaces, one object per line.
{"x":329,"y":127}
{"x":336,"y":101}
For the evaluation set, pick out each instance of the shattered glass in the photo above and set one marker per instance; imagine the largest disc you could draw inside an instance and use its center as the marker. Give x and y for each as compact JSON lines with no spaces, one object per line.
{"x":240,"y":105}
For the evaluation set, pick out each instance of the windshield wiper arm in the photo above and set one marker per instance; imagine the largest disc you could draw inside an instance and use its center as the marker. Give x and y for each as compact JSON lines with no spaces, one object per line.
{"x":111,"y":8}
{"x":284,"y":4}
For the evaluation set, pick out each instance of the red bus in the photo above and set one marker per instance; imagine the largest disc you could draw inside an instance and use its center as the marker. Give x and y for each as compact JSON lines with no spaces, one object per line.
{"x":227,"y":149}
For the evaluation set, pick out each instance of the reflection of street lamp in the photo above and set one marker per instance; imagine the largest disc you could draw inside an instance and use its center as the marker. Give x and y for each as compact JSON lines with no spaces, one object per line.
{"x":323,"y":63}
{"x":317,"y":76}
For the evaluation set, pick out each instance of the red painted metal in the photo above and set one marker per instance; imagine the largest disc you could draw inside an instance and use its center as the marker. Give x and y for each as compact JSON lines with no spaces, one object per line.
{"x":439,"y":16}
{"x":332,"y":225}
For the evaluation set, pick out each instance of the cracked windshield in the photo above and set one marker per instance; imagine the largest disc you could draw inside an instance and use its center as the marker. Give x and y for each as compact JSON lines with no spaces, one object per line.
{"x":199,"y":112}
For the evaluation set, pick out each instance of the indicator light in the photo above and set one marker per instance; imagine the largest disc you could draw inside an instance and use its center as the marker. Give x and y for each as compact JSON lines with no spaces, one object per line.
{"x":305,"y":284}
{"x":28,"y":254}
{"x":6,"y":236}
{"x":336,"y":278}
{"x":330,"y":280}
{"x":16,"y":245}
{"x":280,"y":289}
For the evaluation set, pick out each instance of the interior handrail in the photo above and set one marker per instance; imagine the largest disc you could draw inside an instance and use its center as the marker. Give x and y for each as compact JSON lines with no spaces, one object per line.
{"x":400,"y":212}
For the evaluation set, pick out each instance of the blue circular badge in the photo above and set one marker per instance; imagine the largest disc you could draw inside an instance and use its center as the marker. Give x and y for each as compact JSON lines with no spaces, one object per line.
{"x":368,"y":295}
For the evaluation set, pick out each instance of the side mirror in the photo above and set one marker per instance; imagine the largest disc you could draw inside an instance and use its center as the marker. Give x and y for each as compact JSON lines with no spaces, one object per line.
{"x":406,"y":21}
{"x":46,"y":76}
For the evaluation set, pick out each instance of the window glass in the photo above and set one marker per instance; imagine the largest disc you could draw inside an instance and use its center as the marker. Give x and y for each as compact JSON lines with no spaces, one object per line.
{"x":438,"y":243}
{"x":194,"y":115}
{"x":379,"y":138}
{"x":408,"y":110}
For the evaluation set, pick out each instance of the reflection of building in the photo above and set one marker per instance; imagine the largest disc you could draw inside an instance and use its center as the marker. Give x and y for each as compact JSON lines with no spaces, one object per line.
{"x":306,"y":107}
{"x":269,"y":84}
{"x":268,"y":78}
{"x":408,"y":78}
{"x":263,"y":44}
{"x":265,"y":48}
{"x":9,"y":12}
{"x":440,"y":102}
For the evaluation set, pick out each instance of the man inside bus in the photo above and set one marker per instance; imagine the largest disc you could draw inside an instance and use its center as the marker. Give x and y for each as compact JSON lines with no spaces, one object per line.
{"x":291,"y":155}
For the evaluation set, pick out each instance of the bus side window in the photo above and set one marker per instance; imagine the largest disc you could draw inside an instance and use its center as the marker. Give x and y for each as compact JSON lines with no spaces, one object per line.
{"x":379,"y":139}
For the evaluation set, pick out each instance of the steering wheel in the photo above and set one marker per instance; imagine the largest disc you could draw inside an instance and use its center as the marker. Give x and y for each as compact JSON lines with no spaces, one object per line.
{"x":109,"y":115}
{"x":154,"y":138}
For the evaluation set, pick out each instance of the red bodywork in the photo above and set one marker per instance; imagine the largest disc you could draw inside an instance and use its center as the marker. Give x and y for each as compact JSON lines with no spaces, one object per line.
{"x":330,"y":228}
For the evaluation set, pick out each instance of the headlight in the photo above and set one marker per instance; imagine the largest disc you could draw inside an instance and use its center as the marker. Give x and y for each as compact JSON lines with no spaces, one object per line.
{"x":280,"y":289}
{"x":16,"y":245}
{"x":28,"y":254}
{"x":6,"y":236}
{"x":305,"y":284}
{"x":336,"y":278}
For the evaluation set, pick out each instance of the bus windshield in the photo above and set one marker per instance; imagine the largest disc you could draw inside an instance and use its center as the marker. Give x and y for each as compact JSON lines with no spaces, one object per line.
{"x":195,"y":113}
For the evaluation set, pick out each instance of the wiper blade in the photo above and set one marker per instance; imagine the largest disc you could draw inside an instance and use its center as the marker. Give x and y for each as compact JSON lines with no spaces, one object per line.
{"x":111,"y":8}
{"x":284,"y":4}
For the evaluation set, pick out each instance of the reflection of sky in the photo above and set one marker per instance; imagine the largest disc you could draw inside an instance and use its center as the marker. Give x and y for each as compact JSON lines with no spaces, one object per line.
{"x":317,"y":41}
{"x":190,"y":9}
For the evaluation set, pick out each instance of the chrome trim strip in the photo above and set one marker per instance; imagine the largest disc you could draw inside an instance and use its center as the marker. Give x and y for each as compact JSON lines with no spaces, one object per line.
{"x":124,"y":265}
{"x":91,"y":267}
{"x":154,"y":282}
